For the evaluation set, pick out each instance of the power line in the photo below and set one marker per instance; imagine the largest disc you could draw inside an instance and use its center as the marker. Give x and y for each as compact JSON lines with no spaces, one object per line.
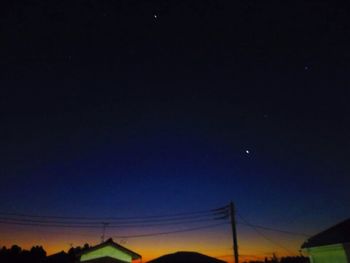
{"x":128,"y":236}
{"x":197,"y":217}
{"x":113,"y":222}
{"x":65,"y":233}
{"x":47,"y":225}
{"x":42,"y":223}
{"x":164,"y":216}
{"x":139,"y":221}
{"x":274,"y":229}
{"x":172,"y":232}
{"x":264,"y":236}
{"x":209,"y":217}
{"x":84,"y":222}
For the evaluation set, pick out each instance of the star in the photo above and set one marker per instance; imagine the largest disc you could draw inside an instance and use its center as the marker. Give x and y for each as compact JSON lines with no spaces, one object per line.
{"x":247,"y":151}
{"x":155,"y":16}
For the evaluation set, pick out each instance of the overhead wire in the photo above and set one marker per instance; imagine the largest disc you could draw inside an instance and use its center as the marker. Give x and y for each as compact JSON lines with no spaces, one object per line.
{"x":72,"y":221}
{"x":122,"y":222}
{"x":97,"y":224}
{"x":274,"y":229}
{"x":203,"y":216}
{"x":264,"y":236}
{"x":178,"y":219}
{"x":153,"y":217}
{"x":172,"y":232}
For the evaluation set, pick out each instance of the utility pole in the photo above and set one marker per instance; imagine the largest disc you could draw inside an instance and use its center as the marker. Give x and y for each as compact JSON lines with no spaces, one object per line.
{"x":234,"y":232}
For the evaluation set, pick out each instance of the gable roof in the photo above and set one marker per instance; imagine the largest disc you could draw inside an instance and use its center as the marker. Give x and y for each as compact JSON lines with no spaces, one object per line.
{"x":340,"y":233}
{"x":110,"y":242}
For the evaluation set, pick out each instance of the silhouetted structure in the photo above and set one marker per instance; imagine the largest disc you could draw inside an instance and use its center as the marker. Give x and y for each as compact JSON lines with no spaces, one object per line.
{"x":331,"y":245}
{"x":186,"y":257}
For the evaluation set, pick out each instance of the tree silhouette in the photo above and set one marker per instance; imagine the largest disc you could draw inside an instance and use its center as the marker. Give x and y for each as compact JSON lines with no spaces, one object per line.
{"x":274,"y":259}
{"x":16,"y":255}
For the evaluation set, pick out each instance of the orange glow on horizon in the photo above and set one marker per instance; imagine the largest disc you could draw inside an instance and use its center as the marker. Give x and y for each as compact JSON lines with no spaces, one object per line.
{"x":214,"y":243}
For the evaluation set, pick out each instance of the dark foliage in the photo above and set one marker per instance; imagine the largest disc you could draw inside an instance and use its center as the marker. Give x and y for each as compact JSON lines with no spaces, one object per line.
{"x":15,"y":254}
{"x":298,"y":259}
{"x":37,"y":254}
{"x":295,"y":260}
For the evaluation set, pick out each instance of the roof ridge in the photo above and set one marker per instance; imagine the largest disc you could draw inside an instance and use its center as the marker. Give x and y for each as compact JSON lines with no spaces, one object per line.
{"x":338,"y":233}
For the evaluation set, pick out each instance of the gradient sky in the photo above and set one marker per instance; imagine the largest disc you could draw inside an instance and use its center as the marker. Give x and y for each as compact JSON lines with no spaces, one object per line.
{"x":133,"y":108}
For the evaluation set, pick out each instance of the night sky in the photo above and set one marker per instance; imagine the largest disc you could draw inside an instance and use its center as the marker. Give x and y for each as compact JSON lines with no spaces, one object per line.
{"x":135,"y":108}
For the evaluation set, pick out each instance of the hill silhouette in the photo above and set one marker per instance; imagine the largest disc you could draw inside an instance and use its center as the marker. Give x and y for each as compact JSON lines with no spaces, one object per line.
{"x":186,"y":257}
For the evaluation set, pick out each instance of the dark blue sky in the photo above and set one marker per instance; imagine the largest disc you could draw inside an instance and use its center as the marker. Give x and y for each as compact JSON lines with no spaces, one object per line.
{"x":182,"y":150}
{"x":103,"y":106}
